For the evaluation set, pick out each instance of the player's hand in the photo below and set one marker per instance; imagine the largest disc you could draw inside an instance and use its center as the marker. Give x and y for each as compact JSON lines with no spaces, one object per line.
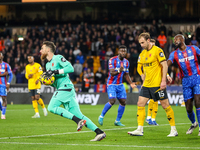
{"x":4,"y":74}
{"x":163,"y":85}
{"x":37,"y":81}
{"x":169,"y":79}
{"x":50,"y":73}
{"x":30,"y":75}
{"x":133,"y":85}
{"x":121,"y":68}
{"x":7,"y":86}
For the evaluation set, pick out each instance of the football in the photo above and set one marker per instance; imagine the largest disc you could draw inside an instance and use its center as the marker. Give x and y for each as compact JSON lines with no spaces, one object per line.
{"x":47,"y":81}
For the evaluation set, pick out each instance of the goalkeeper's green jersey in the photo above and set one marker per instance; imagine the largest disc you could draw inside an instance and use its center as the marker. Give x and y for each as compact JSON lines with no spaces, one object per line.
{"x":62,"y":81}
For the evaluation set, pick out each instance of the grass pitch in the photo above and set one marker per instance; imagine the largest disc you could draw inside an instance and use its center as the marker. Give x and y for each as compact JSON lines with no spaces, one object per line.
{"x":20,"y":132}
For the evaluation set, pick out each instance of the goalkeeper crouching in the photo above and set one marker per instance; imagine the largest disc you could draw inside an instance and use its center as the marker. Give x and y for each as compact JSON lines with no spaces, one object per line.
{"x":59,"y":67}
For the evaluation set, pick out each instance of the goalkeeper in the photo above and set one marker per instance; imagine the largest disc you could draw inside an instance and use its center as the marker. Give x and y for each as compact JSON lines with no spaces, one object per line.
{"x":59,"y":67}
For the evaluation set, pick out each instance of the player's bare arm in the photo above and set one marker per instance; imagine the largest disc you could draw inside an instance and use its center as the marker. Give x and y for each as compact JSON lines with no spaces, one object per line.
{"x":4,"y":74}
{"x":128,"y":79}
{"x":164,"y":75}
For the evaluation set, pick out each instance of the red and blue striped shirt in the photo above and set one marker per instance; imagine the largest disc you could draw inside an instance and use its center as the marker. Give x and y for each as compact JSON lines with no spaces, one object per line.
{"x":3,"y":68}
{"x":187,"y":60}
{"x":115,"y":63}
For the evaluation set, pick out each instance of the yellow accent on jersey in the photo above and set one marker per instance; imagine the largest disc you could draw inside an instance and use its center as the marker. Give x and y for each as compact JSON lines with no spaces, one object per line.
{"x":36,"y":70}
{"x":152,"y":68}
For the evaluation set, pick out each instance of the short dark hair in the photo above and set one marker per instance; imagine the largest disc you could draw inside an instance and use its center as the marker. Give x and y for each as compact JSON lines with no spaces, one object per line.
{"x":145,"y":35}
{"x":51,"y":45}
{"x":122,"y":46}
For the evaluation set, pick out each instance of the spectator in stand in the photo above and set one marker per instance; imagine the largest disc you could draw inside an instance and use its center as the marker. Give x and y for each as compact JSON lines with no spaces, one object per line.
{"x":162,"y":39}
{"x":90,"y":75}
{"x":77,"y":81}
{"x":7,"y":42}
{"x":80,"y":57}
{"x":193,"y":41}
{"x":71,"y":57}
{"x":102,"y":55}
{"x":99,"y":77}
{"x":85,"y":83}
{"x":163,"y":28}
{"x":90,"y":62}
{"x":76,"y":51}
{"x":77,"y":68}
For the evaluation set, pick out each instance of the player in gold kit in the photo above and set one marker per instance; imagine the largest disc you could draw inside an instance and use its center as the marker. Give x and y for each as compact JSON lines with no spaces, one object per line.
{"x":33,"y":72}
{"x":155,"y":69}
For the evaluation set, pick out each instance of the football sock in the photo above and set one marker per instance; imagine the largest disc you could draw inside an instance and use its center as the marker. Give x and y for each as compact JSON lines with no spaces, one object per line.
{"x":150,"y":108}
{"x":106,"y":108}
{"x":198,"y":115}
{"x":155,"y":110}
{"x":140,"y":115}
{"x":75,"y":119}
{"x":170,"y":115}
{"x":98,"y":131}
{"x":35,"y":106}
{"x":40,"y":101}
{"x":3,"y":110}
{"x":191,"y":116}
{"x":120,"y":112}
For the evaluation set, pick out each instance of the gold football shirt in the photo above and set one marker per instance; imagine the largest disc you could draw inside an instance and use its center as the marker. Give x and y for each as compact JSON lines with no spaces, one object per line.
{"x":150,"y":60}
{"x":36,"y":70}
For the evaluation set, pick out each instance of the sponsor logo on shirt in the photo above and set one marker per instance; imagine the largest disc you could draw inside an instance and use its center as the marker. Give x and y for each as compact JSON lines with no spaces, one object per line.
{"x":186,"y":59}
{"x":2,"y":70}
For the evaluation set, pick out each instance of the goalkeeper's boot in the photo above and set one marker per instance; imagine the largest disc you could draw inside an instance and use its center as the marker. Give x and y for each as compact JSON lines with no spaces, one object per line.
{"x":81,"y":123}
{"x":3,"y":116}
{"x":36,"y":115}
{"x":149,"y":121}
{"x":99,"y":137}
{"x":100,"y":120}
{"x":173,"y":133}
{"x":155,"y":123}
{"x":45,"y":112}
{"x":118,"y":123}
{"x":192,"y":127}
{"x":136,"y":132}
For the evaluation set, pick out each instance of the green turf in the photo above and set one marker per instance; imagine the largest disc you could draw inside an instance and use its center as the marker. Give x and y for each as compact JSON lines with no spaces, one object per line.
{"x":19,"y":131}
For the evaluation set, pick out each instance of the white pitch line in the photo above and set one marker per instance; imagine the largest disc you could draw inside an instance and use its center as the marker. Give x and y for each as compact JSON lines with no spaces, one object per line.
{"x":18,"y":137}
{"x":100,"y":145}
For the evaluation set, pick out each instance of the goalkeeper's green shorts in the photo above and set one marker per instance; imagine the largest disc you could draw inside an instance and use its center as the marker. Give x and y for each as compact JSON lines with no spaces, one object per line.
{"x":64,"y":96}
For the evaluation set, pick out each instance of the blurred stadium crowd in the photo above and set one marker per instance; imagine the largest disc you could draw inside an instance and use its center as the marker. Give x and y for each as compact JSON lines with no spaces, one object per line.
{"x":89,"y":47}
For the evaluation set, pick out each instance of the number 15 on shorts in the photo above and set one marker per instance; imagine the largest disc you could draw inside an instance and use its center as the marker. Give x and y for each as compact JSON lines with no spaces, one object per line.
{"x":160,"y":94}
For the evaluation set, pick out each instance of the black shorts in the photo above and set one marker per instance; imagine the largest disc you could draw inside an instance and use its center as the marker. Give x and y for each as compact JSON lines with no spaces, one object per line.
{"x":153,"y":93}
{"x":34,"y":92}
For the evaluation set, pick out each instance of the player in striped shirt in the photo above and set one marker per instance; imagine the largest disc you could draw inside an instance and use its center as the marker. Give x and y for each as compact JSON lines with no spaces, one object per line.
{"x":118,"y":67}
{"x":187,"y":60}
{"x":5,"y":70}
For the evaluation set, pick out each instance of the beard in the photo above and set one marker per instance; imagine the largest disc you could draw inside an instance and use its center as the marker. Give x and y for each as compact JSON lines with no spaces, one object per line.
{"x":178,"y":45}
{"x":43,"y":57}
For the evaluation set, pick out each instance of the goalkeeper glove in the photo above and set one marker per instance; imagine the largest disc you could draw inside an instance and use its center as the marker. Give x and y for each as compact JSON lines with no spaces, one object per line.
{"x":50,"y":73}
